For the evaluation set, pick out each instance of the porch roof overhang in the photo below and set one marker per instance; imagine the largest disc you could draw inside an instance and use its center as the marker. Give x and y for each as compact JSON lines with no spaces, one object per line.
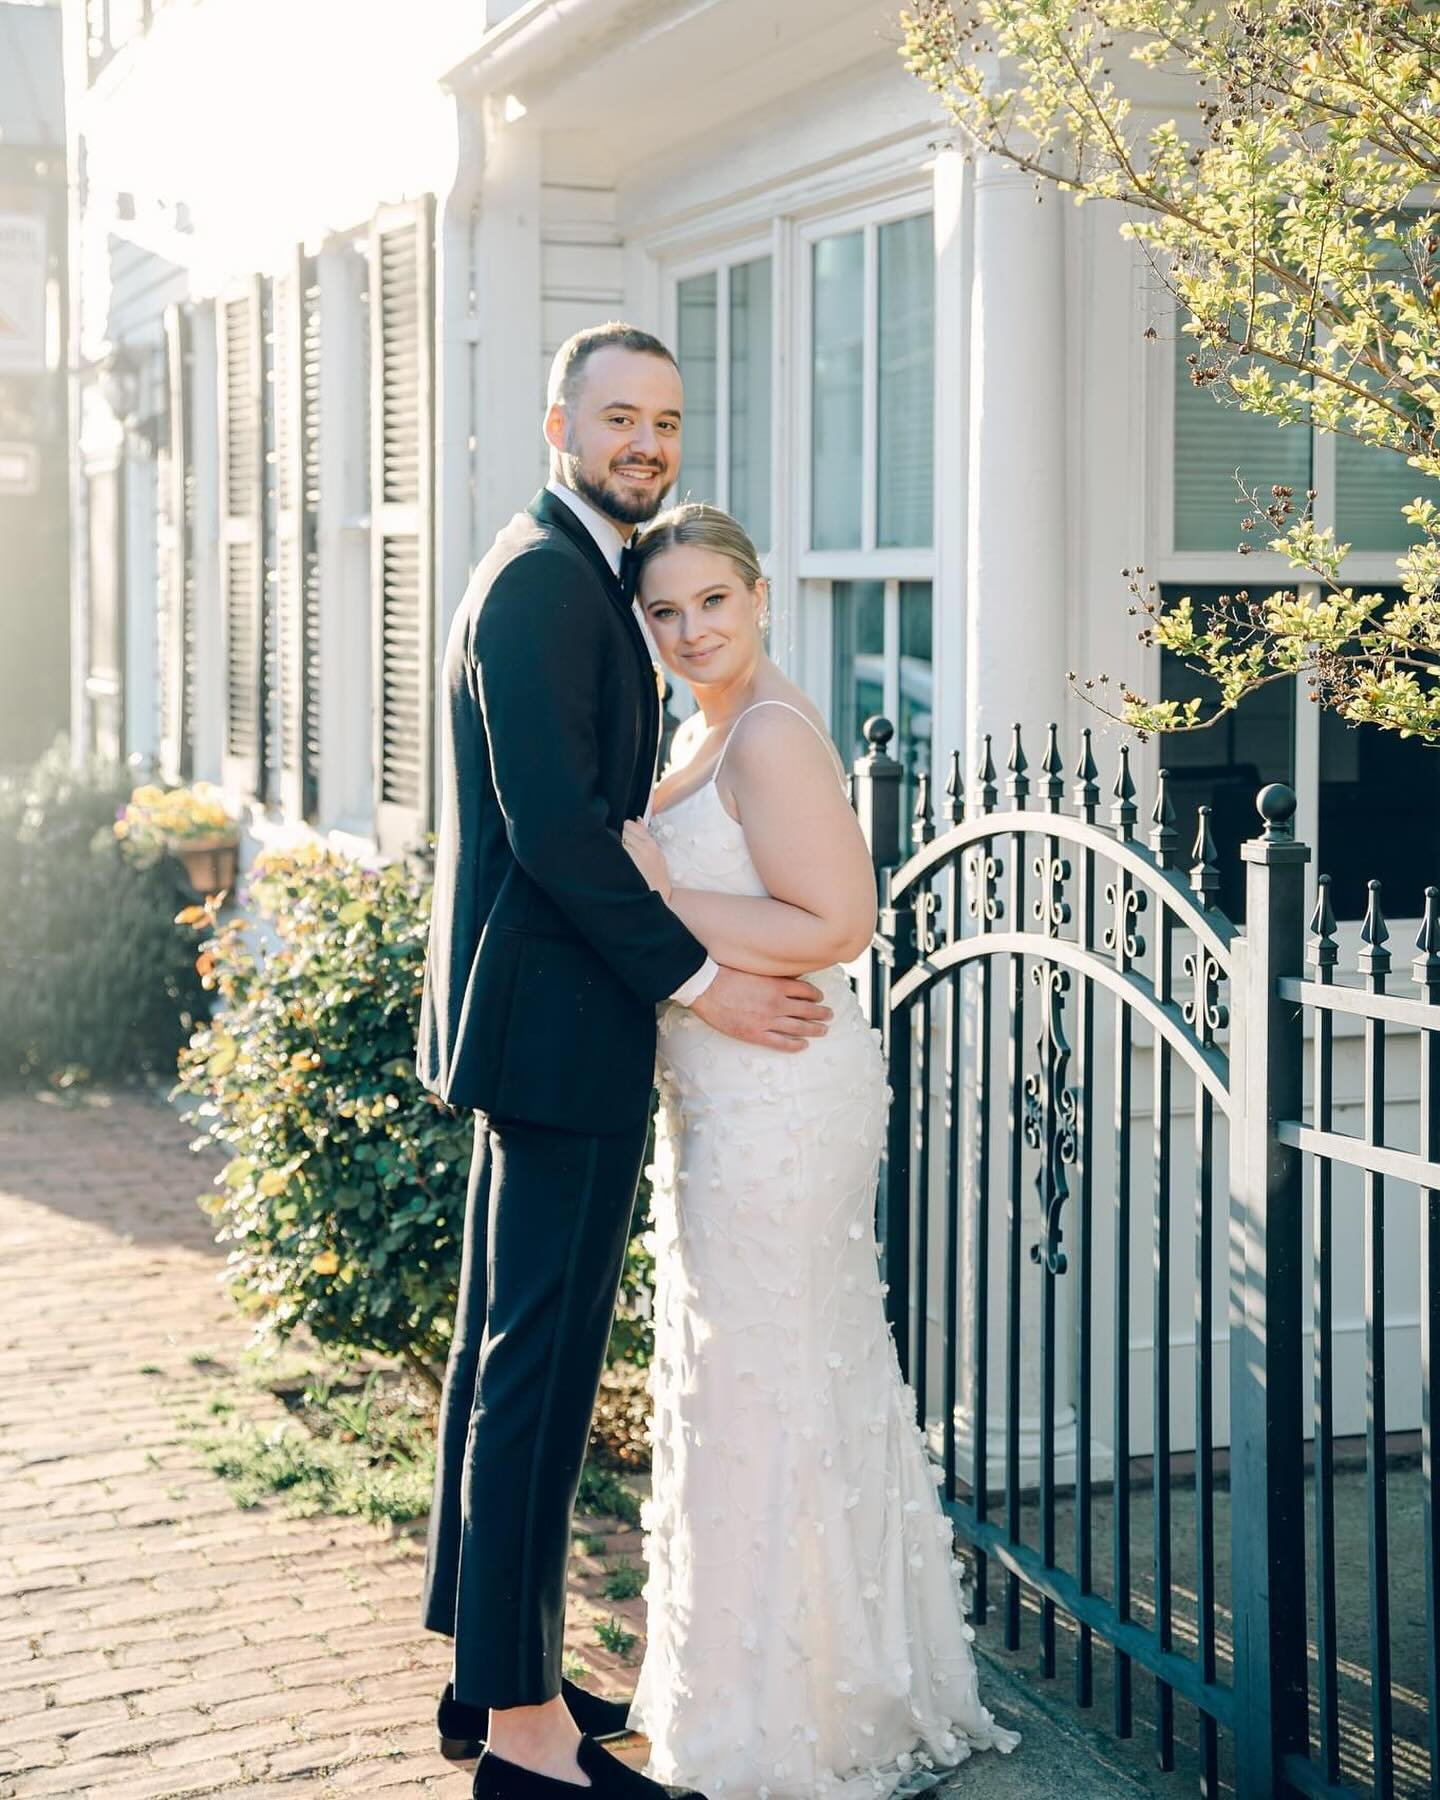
{"x":633,"y":77}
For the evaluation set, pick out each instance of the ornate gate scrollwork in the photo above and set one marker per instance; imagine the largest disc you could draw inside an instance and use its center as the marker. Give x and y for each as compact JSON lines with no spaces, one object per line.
{"x":1051,"y":1114}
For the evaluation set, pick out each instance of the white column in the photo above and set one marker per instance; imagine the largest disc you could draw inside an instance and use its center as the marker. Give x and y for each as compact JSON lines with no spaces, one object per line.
{"x":510,"y":372}
{"x":1016,"y":578}
{"x":1015,"y":649}
{"x":954,"y":194}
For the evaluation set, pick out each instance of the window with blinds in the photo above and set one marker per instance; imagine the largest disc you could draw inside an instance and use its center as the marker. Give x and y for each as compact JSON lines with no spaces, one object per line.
{"x":1214,"y":440}
{"x":1216,"y":447}
{"x":724,"y":332}
{"x":872,"y":387}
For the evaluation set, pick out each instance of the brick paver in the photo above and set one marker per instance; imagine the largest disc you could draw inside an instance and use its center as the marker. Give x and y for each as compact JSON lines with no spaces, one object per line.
{"x":155,"y":1639}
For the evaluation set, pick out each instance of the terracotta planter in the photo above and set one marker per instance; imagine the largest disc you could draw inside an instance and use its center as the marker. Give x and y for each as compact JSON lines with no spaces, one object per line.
{"x":210,"y":863}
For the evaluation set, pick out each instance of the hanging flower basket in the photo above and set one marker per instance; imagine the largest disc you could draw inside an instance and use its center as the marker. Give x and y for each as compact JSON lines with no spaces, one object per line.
{"x":192,"y":824}
{"x":210,"y":863}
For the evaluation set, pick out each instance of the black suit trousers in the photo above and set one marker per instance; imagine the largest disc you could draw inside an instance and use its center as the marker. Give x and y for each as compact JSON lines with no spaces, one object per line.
{"x":546,"y":1224}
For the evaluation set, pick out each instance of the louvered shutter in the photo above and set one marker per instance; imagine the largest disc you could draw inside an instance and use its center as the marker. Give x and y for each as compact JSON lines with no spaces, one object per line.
{"x":105,"y":682}
{"x":295,"y":394}
{"x":402,"y":516}
{"x":175,"y":523}
{"x":242,"y":458}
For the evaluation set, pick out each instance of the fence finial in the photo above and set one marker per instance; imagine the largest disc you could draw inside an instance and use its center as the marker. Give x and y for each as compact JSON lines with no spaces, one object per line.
{"x":1427,"y":942}
{"x":1018,"y":786}
{"x":878,"y":733}
{"x":986,"y":777}
{"x":922,"y":822}
{"x":954,"y":792}
{"x":1164,"y":838}
{"x":1276,"y":806}
{"x":1086,"y":792}
{"x":1374,"y":958}
{"x":1051,"y":786}
{"x":1204,"y":872}
{"x":1123,"y":813}
{"x":1322,"y":949}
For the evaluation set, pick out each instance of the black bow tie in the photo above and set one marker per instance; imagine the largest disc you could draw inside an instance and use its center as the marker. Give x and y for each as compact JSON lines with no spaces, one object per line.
{"x":628,"y":560}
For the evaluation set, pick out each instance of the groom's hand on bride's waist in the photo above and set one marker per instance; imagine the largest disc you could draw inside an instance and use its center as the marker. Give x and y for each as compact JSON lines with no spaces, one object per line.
{"x":783,"y":1013}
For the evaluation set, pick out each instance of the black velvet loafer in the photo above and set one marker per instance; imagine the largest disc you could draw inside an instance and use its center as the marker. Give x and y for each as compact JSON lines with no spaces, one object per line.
{"x":462,"y":1728}
{"x":610,"y":1779}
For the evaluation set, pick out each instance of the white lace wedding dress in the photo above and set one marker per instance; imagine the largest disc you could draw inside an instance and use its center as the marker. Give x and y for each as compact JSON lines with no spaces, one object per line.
{"x":805,"y":1631}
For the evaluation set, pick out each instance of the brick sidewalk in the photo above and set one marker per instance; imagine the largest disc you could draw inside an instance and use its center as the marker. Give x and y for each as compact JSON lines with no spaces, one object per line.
{"x":156,"y":1640}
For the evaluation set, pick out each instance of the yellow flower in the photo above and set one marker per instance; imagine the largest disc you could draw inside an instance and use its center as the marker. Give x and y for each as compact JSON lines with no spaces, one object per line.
{"x":273,"y":1182}
{"x":326,"y":1263}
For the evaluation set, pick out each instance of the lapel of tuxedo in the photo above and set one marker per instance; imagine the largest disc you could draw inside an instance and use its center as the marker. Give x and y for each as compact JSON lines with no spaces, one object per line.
{"x":555,"y":513}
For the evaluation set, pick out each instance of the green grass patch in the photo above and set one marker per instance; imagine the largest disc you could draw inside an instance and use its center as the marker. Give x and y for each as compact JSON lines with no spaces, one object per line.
{"x":615,"y":1638}
{"x":603,"y":1493}
{"x":624,"y":1581}
{"x":317,"y":1475}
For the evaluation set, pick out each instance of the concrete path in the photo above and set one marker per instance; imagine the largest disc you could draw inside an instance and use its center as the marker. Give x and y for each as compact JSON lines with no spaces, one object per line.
{"x":155,"y":1639}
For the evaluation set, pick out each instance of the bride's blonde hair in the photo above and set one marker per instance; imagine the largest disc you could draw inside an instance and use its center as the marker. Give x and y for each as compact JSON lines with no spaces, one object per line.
{"x":699,"y":527}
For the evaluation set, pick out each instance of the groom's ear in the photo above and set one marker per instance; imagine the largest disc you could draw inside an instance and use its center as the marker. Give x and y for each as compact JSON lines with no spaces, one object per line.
{"x":555,"y":426}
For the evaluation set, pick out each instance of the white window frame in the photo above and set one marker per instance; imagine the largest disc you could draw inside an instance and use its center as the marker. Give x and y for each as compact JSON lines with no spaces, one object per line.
{"x":817,"y":571}
{"x":784,"y":225}
{"x":1263,"y":569}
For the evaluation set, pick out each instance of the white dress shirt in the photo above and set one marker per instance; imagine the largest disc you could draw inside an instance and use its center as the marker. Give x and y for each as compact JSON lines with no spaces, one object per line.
{"x":607,"y":536}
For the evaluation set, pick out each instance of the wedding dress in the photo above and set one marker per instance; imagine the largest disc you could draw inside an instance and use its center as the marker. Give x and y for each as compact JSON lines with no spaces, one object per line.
{"x":805,"y":1629}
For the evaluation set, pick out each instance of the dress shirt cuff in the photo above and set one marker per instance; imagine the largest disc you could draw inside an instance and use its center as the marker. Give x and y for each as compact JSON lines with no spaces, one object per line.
{"x":690,"y":991}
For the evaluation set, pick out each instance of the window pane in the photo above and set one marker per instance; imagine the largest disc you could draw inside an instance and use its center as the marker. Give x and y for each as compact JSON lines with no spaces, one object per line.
{"x":1372,"y":484}
{"x":907,"y":381}
{"x":837,"y":405}
{"x":1379,"y":816}
{"x":1212,"y":441}
{"x":917,"y":685}
{"x":750,"y":390}
{"x":858,"y":684}
{"x":697,"y":339}
{"x":1225,"y":767}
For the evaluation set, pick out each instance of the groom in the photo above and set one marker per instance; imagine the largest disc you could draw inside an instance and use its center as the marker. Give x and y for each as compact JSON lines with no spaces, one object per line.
{"x":548,"y":954}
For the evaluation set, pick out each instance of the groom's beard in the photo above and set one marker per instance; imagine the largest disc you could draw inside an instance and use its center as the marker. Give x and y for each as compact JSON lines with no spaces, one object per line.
{"x":611,"y":497}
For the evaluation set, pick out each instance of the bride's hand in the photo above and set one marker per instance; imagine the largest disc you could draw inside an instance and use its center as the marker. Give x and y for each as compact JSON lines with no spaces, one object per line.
{"x":646,"y":855}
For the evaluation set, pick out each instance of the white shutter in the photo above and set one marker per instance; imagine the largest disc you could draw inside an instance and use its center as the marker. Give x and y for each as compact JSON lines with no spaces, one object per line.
{"x":402,"y":516}
{"x":242,"y":452}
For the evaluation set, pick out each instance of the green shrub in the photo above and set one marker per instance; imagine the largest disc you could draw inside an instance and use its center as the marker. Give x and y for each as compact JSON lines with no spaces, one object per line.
{"x":96,"y":978}
{"x":344,"y":1196}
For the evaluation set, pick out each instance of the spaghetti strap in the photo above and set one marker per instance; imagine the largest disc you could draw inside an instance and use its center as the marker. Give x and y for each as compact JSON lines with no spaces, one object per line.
{"x":754,"y":707}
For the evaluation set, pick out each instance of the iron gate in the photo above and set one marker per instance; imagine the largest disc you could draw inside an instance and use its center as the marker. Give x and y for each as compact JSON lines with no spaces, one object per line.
{"x":1043,"y":980}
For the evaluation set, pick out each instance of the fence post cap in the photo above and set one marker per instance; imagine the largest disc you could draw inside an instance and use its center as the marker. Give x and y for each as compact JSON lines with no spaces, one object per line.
{"x":1276,"y":843}
{"x":878,"y":733}
{"x":1276,"y":806}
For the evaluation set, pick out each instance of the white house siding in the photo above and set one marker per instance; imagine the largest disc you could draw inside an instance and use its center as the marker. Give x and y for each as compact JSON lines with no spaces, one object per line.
{"x":582,"y":262}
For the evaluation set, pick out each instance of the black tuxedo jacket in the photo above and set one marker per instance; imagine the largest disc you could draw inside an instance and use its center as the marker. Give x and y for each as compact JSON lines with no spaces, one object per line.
{"x":547,"y":952}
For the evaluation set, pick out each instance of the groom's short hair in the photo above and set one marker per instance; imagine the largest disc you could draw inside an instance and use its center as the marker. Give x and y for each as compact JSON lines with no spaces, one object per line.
{"x":575,"y":352}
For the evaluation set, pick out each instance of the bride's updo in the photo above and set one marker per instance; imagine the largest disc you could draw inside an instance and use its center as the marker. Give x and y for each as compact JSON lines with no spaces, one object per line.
{"x":700,"y":527}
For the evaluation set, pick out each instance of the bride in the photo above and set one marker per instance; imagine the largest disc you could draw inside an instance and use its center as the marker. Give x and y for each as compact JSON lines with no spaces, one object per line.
{"x":805,"y":1632}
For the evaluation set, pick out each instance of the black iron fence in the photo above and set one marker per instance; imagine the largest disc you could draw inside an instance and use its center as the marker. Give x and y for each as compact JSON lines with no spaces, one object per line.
{"x":1106,"y":1326}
